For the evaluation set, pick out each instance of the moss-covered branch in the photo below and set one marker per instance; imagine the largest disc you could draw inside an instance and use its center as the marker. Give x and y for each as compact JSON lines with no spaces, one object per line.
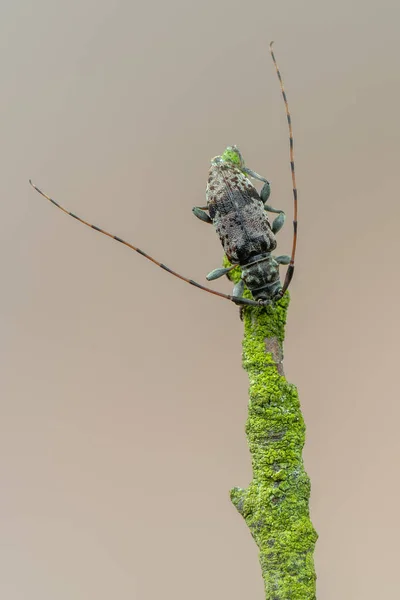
{"x":275,"y":506}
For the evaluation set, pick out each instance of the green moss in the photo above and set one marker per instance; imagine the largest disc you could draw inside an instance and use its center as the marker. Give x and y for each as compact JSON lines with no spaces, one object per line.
{"x":232,"y":155}
{"x":275,"y":506}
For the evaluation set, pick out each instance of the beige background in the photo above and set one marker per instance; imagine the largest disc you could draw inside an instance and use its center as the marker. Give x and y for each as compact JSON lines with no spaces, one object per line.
{"x":123,"y":401}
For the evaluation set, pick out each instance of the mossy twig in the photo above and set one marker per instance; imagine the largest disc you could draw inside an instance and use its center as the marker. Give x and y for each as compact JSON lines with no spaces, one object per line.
{"x":275,"y":506}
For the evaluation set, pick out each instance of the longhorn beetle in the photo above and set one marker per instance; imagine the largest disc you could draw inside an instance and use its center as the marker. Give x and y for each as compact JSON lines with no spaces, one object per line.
{"x":238,"y":213}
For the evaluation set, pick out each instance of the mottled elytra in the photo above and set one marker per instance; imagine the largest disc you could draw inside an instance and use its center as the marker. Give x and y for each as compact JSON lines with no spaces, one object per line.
{"x":238,"y":213}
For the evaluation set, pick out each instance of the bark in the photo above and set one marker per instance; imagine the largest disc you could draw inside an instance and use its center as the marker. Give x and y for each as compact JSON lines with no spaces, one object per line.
{"x":275,"y":506}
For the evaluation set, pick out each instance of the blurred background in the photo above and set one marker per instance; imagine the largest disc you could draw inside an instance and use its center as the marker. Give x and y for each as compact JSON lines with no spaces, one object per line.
{"x":122,"y":399}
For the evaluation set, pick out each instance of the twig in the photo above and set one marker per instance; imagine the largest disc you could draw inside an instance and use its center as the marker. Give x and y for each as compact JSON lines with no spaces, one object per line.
{"x":275,"y":506}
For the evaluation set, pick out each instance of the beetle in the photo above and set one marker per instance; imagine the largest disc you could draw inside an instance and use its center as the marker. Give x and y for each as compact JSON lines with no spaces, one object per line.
{"x":238,"y":213}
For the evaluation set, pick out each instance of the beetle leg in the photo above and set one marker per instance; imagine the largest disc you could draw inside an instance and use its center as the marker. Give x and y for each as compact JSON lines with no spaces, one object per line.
{"x":282,"y":260}
{"x":238,"y":289}
{"x":277,"y":223}
{"x":200,"y":214}
{"x":217,"y":273}
{"x":271,"y":209}
{"x":255,"y":175}
{"x":265,"y":192}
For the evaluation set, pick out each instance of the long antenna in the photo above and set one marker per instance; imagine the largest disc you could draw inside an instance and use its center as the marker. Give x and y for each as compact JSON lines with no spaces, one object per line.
{"x":235,"y":299}
{"x":290,"y":270}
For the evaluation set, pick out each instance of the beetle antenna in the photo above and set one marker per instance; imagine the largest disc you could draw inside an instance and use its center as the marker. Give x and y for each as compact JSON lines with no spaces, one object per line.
{"x":290,"y":270}
{"x":235,"y":299}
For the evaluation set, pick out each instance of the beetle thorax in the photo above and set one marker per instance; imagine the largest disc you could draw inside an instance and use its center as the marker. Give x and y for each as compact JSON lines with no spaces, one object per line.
{"x":261,"y":276}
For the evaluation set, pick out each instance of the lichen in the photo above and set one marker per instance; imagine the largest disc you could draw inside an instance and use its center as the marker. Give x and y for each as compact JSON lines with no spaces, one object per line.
{"x":232,"y":154}
{"x":275,"y":506}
